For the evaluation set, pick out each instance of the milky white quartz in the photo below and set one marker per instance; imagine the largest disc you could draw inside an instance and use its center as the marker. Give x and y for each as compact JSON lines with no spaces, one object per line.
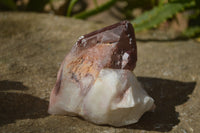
{"x":116,"y":98}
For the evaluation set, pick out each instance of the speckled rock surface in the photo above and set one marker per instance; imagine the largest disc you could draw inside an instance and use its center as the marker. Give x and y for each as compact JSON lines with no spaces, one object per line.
{"x":32,"y":47}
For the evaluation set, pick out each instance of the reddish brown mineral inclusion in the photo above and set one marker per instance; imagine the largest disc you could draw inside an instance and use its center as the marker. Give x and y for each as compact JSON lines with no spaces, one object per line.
{"x":116,"y":41}
{"x":111,"y":47}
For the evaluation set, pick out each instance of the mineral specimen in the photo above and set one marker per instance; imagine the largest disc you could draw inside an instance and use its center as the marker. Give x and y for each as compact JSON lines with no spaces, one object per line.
{"x":96,"y":82}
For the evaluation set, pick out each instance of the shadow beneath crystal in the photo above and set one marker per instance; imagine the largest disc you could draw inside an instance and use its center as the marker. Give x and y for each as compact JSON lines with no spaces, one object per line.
{"x":10,"y":85}
{"x":16,"y":105}
{"x":167,"y":94}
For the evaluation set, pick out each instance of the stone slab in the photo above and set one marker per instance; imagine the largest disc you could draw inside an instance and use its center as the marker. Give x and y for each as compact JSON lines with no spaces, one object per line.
{"x":32,"y":46}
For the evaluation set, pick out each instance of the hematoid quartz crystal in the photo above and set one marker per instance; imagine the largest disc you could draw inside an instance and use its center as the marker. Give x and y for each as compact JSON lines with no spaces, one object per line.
{"x":95,"y":81}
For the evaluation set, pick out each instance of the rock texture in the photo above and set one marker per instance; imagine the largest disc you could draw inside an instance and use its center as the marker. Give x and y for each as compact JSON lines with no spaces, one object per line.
{"x":32,"y":47}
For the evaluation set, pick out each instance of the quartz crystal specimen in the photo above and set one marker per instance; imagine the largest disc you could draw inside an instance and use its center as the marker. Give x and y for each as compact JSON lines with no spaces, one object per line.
{"x":95,"y":80}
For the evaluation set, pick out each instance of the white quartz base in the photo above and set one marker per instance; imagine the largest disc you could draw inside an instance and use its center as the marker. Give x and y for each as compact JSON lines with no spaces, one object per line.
{"x":116,"y":98}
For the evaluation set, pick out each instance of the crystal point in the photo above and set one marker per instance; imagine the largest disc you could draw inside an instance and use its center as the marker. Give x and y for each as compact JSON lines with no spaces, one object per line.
{"x":96,"y":82}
